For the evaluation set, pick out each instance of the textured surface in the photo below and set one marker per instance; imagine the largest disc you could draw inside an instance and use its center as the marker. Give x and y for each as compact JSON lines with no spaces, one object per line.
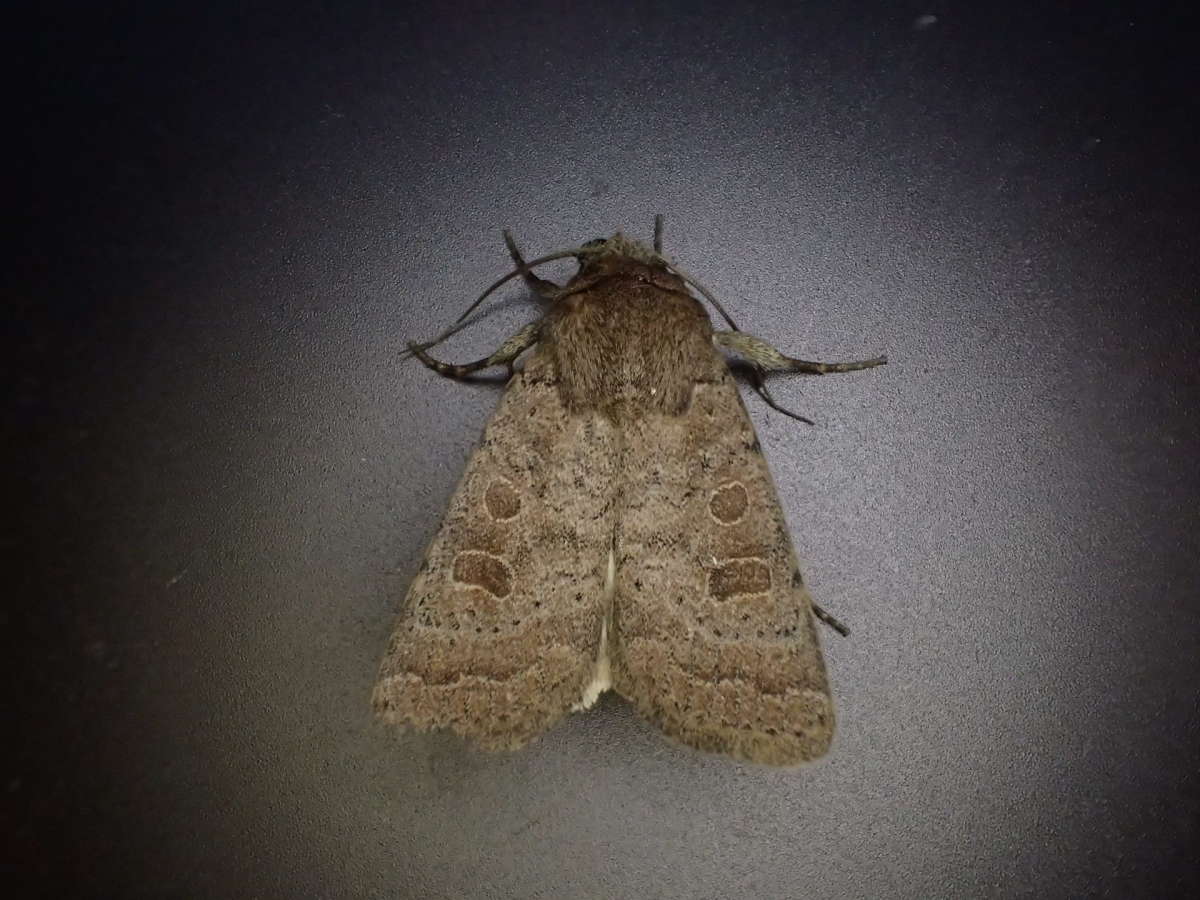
{"x":231,"y":219}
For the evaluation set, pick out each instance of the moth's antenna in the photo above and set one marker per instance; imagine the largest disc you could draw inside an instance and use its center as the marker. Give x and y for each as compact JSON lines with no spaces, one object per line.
{"x":547,"y":290}
{"x":706,"y":293}
{"x":658,"y":234}
{"x":760,"y":374}
{"x":460,"y":323}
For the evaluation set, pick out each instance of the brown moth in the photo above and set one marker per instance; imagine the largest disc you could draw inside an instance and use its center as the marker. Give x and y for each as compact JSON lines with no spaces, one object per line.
{"x":617,"y":528}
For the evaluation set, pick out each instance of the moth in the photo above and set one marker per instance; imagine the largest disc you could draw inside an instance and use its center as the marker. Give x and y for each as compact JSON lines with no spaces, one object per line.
{"x":616,"y":528}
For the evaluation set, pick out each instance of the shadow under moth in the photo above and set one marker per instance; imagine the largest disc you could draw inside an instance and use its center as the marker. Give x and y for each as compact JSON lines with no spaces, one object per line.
{"x":616,"y":528}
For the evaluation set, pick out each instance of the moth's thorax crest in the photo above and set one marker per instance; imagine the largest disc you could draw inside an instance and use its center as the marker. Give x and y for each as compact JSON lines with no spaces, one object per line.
{"x":623,"y":259}
{"x":626,"y":338}
{"x":618,"y":245}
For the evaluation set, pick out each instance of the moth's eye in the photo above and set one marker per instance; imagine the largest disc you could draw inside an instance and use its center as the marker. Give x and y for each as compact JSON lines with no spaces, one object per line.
{"x":596,"y":242}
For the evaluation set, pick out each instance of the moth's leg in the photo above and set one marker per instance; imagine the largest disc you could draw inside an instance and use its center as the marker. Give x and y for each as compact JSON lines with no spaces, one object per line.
{"x":760,"y":385}
{"x":504,"y":356}
{"x":767,"y":359}
{"x":547,"y":290}
{"x":830,"y":620}
{"x":658,"y":234}
{"x":764,"y":358}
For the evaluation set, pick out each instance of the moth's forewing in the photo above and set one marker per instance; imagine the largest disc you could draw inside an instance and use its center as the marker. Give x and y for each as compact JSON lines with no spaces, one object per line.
{"x":500,"y":630}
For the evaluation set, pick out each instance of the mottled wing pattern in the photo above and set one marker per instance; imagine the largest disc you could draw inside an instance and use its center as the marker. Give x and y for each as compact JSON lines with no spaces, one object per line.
{"x":501,"y":627}
{"x":713,"y":635}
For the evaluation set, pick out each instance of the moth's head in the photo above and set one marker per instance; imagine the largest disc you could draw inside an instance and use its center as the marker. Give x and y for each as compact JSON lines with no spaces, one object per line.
{"x":597,"y":250}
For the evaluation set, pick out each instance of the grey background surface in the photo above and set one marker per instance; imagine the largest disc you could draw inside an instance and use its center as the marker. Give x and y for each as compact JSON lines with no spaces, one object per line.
{"x":223,"y":480}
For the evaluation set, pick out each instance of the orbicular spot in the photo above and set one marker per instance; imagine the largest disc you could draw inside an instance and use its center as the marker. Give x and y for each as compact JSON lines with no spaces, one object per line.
{"x":503,"y":503}
{"x":737,"y":577}
{"x":483,"y":570}
{"x":728,"y":503}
